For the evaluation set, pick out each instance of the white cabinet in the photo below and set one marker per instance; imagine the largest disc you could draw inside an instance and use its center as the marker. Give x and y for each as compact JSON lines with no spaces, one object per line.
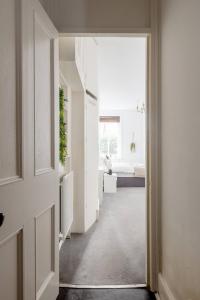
{"x":78,"y":61}
{"x":91,"y":68}
{"x":86,"y":62}
{"x":110,"y":183}
{"x":91,"y":161}
{"x":72,"y":61}
{"x":85,"y":160}
{"x":80,"y":45}
{"x":100,"y":185}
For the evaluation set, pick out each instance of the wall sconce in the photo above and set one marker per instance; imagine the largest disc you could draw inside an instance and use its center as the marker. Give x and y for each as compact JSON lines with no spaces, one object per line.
{"x":141,"y":108}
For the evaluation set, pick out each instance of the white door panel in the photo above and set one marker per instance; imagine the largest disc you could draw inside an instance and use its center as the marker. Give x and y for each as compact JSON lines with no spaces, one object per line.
{"x":10,"y":92}
{"x":29,"y":187}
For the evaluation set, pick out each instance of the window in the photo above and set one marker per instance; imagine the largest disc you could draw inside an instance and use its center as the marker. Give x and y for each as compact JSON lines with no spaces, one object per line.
{"x":110,"y":137}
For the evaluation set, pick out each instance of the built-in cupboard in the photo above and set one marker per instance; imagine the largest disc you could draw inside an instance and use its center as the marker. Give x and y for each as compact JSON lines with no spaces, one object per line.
{"x":78,"y":65}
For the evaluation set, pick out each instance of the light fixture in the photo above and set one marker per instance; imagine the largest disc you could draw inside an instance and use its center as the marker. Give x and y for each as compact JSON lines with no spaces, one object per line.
{"x":141,"y":108}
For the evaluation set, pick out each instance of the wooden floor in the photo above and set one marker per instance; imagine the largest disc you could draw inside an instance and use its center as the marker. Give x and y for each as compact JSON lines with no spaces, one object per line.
{"x":105,"y":294}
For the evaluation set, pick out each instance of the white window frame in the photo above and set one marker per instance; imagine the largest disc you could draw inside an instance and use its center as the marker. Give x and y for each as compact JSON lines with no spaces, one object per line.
{"x":119,"y":138}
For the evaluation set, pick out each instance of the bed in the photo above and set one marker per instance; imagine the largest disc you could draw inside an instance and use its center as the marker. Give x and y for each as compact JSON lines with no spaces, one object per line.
{"x":129,"y":175}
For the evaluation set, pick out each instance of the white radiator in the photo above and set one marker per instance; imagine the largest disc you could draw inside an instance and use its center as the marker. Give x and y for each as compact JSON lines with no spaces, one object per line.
{"x":66,"y":209}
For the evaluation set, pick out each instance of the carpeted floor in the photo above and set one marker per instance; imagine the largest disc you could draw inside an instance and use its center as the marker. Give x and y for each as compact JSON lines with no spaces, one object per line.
{"x":105,"y":294}
{"x":112,"y":252}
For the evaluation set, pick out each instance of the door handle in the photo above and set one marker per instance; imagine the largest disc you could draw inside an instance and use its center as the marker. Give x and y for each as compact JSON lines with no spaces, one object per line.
{"x":2,"y":217}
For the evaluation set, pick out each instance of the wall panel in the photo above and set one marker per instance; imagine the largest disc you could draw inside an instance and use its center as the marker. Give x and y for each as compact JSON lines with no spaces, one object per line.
{"x":10,"y":92}
{"x":11,"y":267}
{"x":45,"y":241}
{"x":43,"y":99}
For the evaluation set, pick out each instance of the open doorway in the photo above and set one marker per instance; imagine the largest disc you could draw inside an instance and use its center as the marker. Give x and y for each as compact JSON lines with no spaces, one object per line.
{"x":103,"y":195}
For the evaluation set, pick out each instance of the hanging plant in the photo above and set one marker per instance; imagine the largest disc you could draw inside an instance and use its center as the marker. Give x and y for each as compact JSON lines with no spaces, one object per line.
{"x":132,"y":147}
{"x":63,"y":136}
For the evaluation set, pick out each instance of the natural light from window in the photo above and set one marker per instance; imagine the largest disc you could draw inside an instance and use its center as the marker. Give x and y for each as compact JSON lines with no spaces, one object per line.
{"x":110,"y":139}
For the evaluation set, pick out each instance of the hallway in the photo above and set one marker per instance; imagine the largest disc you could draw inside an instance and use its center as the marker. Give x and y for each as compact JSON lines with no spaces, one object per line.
{"x":112,"y":252}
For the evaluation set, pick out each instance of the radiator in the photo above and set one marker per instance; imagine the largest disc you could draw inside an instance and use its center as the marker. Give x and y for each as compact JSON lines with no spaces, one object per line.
{"x":66,"y":209}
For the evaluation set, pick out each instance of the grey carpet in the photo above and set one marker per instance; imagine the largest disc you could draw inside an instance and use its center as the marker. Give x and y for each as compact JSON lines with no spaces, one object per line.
{"x":105,"y":294}
{"x":113,"y":250}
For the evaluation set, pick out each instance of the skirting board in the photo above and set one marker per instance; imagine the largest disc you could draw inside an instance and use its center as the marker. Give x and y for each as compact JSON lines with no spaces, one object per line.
{"x":164,"y":290}
{"x":157,"y":296}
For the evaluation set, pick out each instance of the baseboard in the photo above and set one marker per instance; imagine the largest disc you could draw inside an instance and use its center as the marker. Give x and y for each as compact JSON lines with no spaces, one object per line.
{"x":157,"y":296}
{"x":97,"y":214}
{"x":164,"y":291}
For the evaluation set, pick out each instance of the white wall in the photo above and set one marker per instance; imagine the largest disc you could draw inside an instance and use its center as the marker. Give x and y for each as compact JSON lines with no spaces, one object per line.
{"x":121,"y":72}
{"x":122,"y":86}
{"x":98,"y":16}
{"x":131,"y":121}
{"x":180,"y":115}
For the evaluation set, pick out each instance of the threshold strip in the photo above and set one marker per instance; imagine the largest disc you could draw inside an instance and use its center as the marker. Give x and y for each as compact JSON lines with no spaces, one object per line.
{"x":87,"y":286}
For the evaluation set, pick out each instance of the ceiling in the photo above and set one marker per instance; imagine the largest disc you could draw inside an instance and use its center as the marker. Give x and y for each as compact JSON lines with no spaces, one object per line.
{"x":122,"y":72}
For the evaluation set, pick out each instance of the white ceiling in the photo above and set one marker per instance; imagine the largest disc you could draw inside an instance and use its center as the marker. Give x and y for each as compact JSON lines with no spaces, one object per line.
{"x":122,"y":72}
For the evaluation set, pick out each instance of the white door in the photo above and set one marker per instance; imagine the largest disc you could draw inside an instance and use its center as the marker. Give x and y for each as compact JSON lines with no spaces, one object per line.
{"x":29,"y":187}
{"x":91,"y":161}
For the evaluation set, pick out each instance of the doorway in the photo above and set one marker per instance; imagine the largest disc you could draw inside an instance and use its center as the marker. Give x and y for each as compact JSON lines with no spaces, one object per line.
{"x":77,"y":264}
{"x":40,"y":164}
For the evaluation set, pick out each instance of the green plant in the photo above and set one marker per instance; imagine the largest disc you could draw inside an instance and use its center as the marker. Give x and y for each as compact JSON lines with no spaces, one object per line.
{"x":132,"y":147}
{"x":63,"y":135}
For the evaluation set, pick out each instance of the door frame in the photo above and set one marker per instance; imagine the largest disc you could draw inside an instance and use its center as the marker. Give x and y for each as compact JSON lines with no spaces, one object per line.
{"x":153,"y":171}
{"x":152,"y":146}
